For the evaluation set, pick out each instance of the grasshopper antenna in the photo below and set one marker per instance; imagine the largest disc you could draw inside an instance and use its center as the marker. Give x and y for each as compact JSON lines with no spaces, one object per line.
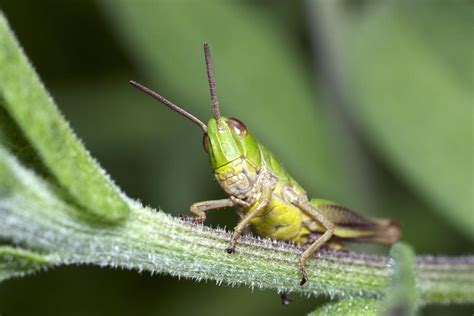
{"x":170,"y":105}
{"x":212,"y":83}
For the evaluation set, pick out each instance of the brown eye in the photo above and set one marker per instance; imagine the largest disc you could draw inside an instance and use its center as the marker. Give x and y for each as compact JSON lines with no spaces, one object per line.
{"x":205,"y":142}
{"x":237,"y":126}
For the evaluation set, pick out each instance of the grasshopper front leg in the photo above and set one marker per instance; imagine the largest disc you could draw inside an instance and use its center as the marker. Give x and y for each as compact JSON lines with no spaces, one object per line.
{"x":199,"y":209}
{"x":254,"y":210}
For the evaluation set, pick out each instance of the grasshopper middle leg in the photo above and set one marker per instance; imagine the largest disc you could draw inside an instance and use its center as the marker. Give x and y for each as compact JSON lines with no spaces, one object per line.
{"x":313,"y":212}
{"x":309,"y":209}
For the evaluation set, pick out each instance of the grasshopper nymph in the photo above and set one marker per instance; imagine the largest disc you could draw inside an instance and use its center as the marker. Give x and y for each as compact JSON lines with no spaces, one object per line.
{"x":267,"y":197}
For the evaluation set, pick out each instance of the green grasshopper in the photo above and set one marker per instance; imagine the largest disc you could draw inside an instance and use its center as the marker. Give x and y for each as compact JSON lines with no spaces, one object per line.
{"x":266,"y":196}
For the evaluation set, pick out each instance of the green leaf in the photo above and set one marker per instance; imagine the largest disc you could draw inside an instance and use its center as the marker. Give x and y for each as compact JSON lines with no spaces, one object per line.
{"x":409,"y":69}
{"x":402,"y":295}
{"x":350,"y":307}
{"x":16,"y":262}
{"x":30,"y":112}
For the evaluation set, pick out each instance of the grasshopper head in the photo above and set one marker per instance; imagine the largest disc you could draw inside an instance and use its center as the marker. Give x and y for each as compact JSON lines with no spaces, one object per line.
{"x":225,"y":139}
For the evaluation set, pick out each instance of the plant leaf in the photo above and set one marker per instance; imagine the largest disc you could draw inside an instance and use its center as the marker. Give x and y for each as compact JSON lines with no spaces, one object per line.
{"x":350,"y":307}
{"x":16,"y":262}
{"x":37,"y":121}
{"x":402,"y":296}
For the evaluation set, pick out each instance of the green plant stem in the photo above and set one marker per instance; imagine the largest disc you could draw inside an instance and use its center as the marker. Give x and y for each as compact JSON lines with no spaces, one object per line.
{"x":32,"y":216}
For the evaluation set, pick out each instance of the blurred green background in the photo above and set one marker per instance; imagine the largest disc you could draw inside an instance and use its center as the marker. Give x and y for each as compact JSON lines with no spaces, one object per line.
{"x":369,"y":103}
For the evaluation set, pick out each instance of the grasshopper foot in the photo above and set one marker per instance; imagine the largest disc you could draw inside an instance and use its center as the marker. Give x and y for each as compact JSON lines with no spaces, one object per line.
{"x":284,"y":299}
{"x":231,"y":247}
{"x":304,"y":279}
{"x":198,"y":220}
{"x":304,"y":275}
{"x":193,"y":219}
{"x":184,"y":217}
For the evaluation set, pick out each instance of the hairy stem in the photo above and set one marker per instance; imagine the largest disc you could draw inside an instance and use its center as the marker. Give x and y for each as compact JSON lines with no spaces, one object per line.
{"x":153,"y":241}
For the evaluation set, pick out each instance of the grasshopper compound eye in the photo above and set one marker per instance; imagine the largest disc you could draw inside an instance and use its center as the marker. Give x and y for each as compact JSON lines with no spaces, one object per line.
{"x":205,"y":142}
{"x":237,"y":126}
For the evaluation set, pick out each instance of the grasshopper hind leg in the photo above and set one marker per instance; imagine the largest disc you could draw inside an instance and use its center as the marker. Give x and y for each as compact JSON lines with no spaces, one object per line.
{"x":311,"y":250}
